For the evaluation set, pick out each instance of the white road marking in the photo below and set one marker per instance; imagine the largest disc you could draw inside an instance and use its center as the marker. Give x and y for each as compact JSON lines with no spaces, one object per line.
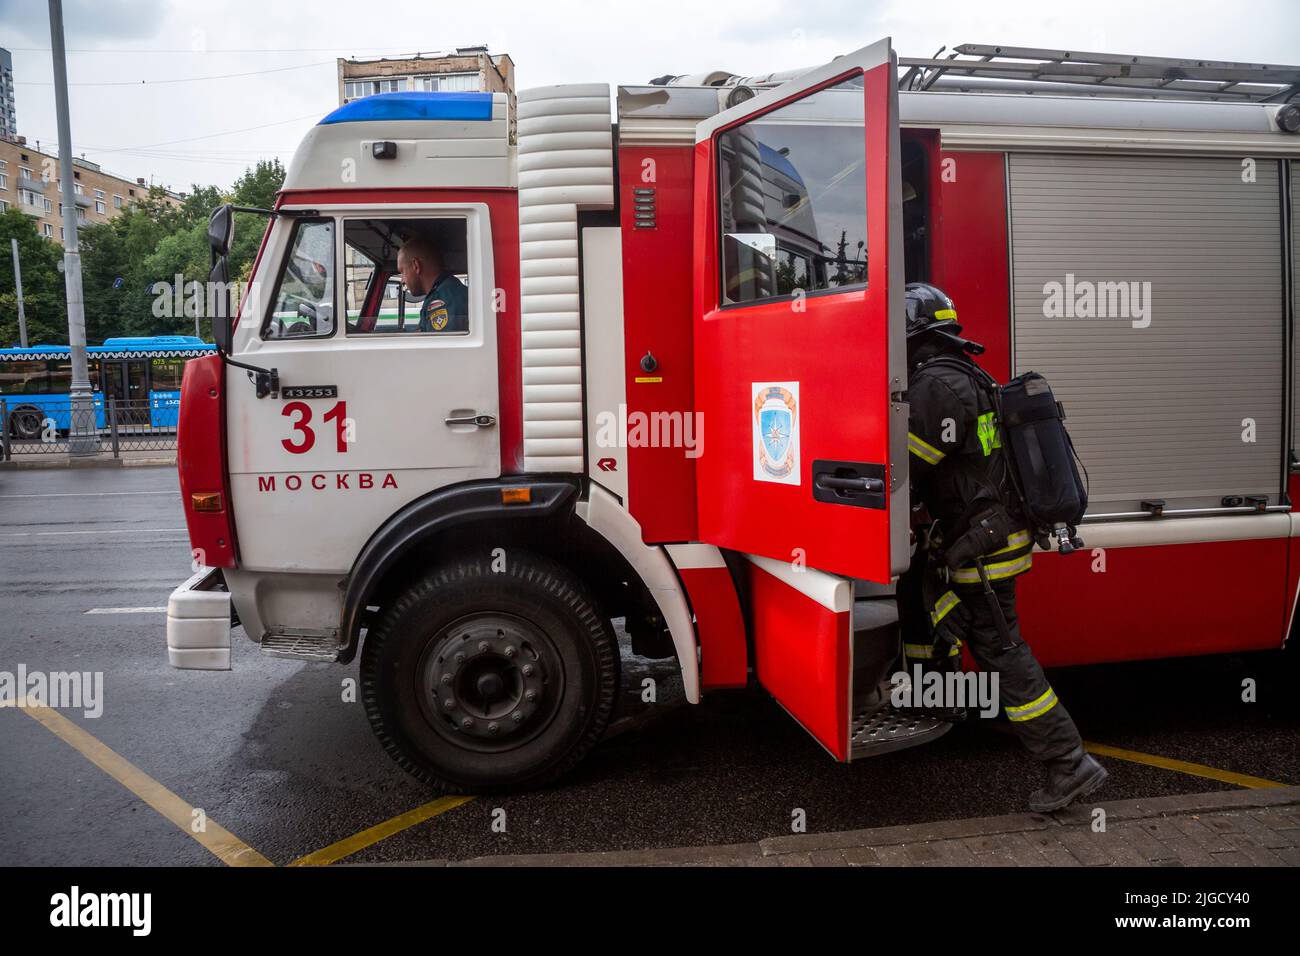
{"x":93,"y":494}
{"x":127,"y":610}
{"x":43,"y":534}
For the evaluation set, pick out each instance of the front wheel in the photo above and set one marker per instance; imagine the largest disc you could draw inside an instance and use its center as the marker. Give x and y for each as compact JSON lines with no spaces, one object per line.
{"x":490,"y":675}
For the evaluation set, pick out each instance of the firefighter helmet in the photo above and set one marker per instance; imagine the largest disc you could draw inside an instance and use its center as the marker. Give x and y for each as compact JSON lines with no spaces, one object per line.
{"x":927,"y":306}
{"x":930,"y":310}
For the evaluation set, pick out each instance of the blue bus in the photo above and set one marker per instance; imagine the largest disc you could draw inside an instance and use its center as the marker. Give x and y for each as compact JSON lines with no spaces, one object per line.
{"x":142,"y":375}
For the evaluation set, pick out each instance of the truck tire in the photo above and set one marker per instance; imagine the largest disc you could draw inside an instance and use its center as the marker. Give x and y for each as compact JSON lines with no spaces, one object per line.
{"x":487,"y":677}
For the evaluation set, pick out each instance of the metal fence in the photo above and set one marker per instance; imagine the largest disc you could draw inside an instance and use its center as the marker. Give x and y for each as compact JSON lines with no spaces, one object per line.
{"x":31,"y":425}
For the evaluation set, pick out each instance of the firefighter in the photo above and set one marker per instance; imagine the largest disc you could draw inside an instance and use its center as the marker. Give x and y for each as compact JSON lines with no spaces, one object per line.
{"x":977,"y":544}
{"x":446,"y":300}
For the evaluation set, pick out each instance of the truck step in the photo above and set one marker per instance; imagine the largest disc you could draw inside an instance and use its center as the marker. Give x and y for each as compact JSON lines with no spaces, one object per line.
{"x":882,"y":729}
{"x":301,"y":647}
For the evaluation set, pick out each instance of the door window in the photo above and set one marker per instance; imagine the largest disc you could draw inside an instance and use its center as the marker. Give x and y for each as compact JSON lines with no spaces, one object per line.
{"x":303,"y":305}
{"x":793,"y":198}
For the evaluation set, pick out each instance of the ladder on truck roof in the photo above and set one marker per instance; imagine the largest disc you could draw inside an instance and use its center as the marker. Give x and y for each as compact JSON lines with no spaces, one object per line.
{"x":973,"y":67}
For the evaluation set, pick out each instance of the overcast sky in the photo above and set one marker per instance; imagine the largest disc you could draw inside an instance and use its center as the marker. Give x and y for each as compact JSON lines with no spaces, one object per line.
{"x":208,"y":130}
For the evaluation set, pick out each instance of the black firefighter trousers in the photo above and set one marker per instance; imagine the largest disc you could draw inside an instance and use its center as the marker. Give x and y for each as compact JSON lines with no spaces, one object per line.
{"x":1039,"y":719}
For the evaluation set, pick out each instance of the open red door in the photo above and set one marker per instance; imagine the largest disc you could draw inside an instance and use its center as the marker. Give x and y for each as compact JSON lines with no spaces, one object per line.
{"x":800,"y":365}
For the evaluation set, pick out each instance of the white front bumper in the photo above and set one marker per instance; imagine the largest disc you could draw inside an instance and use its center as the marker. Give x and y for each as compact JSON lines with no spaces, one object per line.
{"x":198,"y":623}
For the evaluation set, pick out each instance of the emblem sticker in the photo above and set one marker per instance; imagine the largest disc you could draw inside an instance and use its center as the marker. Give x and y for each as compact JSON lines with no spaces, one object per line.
{"x":775,"y":419}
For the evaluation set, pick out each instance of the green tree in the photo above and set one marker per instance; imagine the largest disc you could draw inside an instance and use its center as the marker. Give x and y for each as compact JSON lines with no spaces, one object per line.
{"x":257,"y":188}
{"x":44,"y":297}
{"x":131,"y":264}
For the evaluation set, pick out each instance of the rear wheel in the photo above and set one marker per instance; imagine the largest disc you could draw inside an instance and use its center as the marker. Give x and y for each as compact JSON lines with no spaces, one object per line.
{"x":484,"y":678}
{"x":25,"y":423}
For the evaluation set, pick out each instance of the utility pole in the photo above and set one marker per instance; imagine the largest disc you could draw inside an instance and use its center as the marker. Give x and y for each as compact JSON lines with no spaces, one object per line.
{"x":83,"y":437}
{"x":18,"y":283}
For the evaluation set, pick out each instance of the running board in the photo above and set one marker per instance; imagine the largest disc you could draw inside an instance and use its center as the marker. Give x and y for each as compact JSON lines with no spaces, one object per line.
{"x":301,"y":647}
{"x":881,"y":729}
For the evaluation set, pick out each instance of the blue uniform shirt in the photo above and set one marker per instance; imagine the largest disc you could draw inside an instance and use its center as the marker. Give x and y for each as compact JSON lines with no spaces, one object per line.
{"x":446,"y":307}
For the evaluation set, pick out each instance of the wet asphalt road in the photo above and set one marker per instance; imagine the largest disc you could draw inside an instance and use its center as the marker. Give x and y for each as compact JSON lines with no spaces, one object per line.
{"x":271,"y":752}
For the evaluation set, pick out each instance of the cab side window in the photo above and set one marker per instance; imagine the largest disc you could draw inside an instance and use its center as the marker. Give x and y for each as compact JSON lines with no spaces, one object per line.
{"x":407,"y":276}
{"x":303,"y":304}
{"x":793,"y":199}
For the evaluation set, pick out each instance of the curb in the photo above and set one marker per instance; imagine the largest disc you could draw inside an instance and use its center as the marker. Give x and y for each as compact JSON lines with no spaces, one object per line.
{"x":770,"y":851}
{"x":38,"y":463}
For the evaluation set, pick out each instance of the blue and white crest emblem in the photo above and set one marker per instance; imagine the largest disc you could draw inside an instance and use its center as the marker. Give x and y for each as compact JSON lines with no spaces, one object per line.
{"x":776,"y":432}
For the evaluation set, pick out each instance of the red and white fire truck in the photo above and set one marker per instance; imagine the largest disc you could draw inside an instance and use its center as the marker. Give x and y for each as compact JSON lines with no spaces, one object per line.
{"x":678,"y":400}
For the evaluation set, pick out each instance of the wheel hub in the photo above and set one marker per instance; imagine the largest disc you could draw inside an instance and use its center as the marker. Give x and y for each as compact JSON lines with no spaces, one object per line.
{"x":488,"y":679}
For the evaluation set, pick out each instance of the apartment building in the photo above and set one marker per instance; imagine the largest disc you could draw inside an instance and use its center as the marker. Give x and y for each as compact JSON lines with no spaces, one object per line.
{"x":8,"y":117}
{"x":468,"y":68}
{"x":29,"y":181}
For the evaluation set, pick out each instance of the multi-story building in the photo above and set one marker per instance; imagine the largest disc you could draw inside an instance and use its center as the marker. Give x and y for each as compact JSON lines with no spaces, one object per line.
{"x":468,"y":68}
{"x":29,"y":181}
{"x":8,"y":117}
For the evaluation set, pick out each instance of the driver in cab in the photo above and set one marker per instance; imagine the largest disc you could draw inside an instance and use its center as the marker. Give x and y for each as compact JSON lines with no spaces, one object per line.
{"x":446,"y":300}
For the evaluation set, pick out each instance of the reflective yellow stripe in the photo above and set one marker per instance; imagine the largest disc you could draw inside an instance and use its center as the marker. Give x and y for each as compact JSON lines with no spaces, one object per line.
{"x":925,"y":652}
{"x":923,"y":451}
{"x":1017,"y":539}
{"x":1003,"y":569}
{"x":943,"y":606}
{"x":1035,"y":708}
{"x":946,"y":314}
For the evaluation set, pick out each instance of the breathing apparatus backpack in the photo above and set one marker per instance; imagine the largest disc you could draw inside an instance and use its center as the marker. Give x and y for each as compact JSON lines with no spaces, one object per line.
{"x":1042,"y":463}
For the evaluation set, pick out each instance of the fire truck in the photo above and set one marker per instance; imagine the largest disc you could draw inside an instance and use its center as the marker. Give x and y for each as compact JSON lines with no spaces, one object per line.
{"x":675,"y":405}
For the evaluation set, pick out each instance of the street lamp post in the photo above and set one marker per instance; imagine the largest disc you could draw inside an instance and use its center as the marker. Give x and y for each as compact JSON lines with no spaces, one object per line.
{"x":18,"y":285}
{"x":83,"y":437}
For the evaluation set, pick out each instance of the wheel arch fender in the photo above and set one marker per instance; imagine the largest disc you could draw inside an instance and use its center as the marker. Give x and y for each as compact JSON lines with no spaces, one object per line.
{"x":607,"y":517}
{"x":432,"y":515}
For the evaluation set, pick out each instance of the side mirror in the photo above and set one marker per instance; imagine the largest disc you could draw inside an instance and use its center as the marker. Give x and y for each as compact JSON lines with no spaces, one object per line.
{"x":219,"y":278}
{"x":221,"y":230}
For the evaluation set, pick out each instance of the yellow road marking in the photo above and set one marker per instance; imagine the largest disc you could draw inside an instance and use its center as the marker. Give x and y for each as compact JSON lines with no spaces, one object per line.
{"x":357,"y":842}
{"x":1183,"y":766}
{"x":216,"y":839}
{"x":1168,"y":763}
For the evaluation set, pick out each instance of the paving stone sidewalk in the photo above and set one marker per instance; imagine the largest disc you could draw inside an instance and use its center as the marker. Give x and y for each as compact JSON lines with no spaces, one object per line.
{"x":1227,"y":828}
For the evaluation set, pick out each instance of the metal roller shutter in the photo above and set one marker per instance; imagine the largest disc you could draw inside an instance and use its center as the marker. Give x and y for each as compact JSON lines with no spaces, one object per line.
{"x":1155,"y":411}
{"x":1295,"y":307}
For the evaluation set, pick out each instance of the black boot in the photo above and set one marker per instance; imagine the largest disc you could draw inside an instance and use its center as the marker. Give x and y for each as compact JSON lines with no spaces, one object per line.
{"x":1070,"y":777}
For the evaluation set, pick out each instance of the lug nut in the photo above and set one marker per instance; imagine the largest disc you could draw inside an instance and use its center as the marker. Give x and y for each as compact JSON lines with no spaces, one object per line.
{"x":467,"y":723}
{"x":460,"y":658}
{"x":530,"y":696}
{"x":517,"y":717}
{"x":493,"y":727}
{"x":446,"y":678}
{"x":449,"y":704}
{"x":527,"y":670}
{"x":509,"y":651}
{"x":482,"y":647}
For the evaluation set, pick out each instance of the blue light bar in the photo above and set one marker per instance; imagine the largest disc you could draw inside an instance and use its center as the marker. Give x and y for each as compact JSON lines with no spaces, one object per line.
{"x":414,"y":106}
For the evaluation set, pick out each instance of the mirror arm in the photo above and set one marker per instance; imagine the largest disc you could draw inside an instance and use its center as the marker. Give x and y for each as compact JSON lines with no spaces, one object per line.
{"x":267,"y":381}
